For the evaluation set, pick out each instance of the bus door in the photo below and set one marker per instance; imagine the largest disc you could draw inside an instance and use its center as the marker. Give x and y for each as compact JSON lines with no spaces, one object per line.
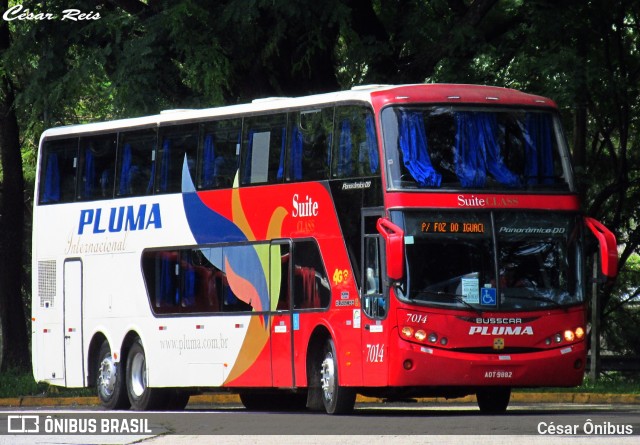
{"x":281,"y":318}
{"x":374,"y":303}
{"x":72,"y":325}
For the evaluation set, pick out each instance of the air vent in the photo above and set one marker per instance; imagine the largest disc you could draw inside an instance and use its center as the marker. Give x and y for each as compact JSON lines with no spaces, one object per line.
{"x":47,"y":282}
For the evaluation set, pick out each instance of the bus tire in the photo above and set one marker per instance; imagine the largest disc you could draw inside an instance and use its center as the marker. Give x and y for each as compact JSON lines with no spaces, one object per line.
{"x":493,"y":399}
{"x":142,"y":397}
{"x":110,"y":386}
{"x":337,"y":399}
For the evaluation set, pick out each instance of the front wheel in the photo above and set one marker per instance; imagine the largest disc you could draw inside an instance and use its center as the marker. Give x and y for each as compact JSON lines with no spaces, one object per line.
{"x":493,"y":399}
{"x":110,"y":385}
{"x":336,"y":399}
{"x":142,"y":397}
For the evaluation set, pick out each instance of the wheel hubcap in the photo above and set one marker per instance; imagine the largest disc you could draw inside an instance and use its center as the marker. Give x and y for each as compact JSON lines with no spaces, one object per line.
{"x":107,"y":377}
{"x":138,"y":375}
{"x":328,"y":377}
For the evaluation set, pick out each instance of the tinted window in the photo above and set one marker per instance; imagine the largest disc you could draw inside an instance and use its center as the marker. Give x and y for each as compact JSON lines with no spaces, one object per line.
{"x":219,"y":153}
{"x":58,"y":171}
{"x":97,"y":167}
{"x":177,"y":155}
{"x":355,"y":149}
{"x":308,"y":156}
{"x":135,"y":163}
{"x":263,"y":149}
{"x":311,"y":287}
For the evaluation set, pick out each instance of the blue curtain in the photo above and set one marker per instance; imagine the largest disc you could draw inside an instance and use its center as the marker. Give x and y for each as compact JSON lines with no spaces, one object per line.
{"x":125,"y":177}
{"x":283,"y":150}
{"x":477,"y":151}
{"x":345,"y":147}
{"x":209,"y":156}
{"x":372,"y":147}
{"x":246,"y":179}
{"x":538,"y":149}
{"x":415,"y":155}
{"x":52,"y":179}
{"x":165,"y":169}
{"x":297,"y":147}
{"x":89,"y":173}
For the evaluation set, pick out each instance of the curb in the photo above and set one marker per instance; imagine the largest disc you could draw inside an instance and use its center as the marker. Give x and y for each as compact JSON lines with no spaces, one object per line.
{"x":516,"y":397}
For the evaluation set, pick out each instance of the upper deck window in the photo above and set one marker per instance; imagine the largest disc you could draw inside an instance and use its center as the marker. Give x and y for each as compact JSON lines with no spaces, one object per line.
{"x":474,"y":148}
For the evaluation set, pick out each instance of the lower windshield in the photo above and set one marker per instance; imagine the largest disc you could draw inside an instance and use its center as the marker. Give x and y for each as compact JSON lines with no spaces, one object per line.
{"x":491,"y":261}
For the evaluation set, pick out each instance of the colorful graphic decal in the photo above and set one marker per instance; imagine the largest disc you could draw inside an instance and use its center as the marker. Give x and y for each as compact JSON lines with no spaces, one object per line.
{"x":246,"y":273}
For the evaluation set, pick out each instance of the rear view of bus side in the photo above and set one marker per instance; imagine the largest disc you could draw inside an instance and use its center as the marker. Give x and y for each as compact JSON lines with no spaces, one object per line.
{"x":395,"y":241}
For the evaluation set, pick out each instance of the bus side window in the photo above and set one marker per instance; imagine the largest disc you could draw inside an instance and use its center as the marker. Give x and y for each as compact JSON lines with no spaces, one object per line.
{"x":309,"y":145}
{"x":263,"y":149}
{"x":355,"y":147}
{"x":136,"y":155}
{"x":219,"y":153}
{"x":178,"y":146}
{"x":58,"y":171}
{"x":97,"y":167}
{"x":311,"y":288}
{"x":374,"y":302}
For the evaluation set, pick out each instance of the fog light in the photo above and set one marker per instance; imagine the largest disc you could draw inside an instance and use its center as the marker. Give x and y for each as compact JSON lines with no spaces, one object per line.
{"x":569,"y":335}
{"x":558,"y":338}
{"x":407,"y":331}
{"x":579,"y":333}
{"x":420,"y":335}
{"x":433,"y":337}
{"x":407,"y":364}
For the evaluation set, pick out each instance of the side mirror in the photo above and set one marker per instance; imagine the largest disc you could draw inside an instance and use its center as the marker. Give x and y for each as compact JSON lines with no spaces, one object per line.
{"x":608,"y":247}
{"x":394,"y":245}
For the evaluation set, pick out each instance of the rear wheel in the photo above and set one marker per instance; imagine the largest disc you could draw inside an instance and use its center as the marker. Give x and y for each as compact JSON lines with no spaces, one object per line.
{"x":142,"y":397}
{"x":110,"y":384}
{"x":493,"y":399}
{"x":337,"y":399}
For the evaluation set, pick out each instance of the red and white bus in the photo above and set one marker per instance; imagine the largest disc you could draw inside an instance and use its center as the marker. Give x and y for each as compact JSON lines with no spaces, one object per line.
{"x":392,"y":241}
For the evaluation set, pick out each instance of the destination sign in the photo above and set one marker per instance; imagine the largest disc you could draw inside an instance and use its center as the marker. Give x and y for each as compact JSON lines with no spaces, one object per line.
{"x":451,"y":227}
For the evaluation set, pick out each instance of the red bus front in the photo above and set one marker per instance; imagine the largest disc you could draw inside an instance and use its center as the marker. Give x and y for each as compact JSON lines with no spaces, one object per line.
{"x":484,"y":272}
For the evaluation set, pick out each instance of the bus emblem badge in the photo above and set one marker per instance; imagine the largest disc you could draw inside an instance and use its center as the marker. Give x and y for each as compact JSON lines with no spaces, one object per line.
{"x":498,"y":343}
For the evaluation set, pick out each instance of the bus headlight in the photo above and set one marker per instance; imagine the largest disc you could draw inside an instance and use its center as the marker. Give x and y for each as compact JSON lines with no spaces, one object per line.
{"x":407,"y":331}
{"x":420,"y":335}
{"x":569,"y":335}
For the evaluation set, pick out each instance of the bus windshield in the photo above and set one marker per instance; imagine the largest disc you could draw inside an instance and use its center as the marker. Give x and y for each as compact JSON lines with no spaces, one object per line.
{"x":493,"y":260}
{"x":440,"y":147}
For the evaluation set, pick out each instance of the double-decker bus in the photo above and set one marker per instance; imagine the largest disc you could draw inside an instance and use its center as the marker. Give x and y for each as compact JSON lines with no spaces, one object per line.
{"x":391,"y":241}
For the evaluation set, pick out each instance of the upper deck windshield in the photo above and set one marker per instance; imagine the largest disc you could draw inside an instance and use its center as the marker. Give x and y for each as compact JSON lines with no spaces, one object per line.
{"x":493,"y":260}
{"x":457,"y":147}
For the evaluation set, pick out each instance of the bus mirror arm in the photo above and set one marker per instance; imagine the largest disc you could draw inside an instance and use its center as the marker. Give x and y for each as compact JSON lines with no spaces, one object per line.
{"x":608,"y":247}
{"x":394,"y":245}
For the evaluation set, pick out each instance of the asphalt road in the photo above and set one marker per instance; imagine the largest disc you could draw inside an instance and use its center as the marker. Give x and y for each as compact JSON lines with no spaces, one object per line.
{"x":370,"y":424}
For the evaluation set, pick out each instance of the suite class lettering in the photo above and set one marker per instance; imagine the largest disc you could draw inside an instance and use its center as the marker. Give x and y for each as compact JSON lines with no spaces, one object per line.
{"x":487,"y":201}
{"x":118,"y":219}
{"x":305,"y":208}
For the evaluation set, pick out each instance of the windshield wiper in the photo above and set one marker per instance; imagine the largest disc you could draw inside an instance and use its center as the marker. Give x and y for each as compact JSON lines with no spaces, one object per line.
{"x":541,"y":298}
{"x":455,"y":297}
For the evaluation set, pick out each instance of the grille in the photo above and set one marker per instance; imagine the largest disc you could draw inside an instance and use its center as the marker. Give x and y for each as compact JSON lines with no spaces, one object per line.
{"x":47,"y":282}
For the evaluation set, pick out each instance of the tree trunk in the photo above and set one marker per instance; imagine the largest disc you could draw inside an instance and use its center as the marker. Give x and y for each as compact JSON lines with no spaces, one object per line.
{"x":15,"y":341}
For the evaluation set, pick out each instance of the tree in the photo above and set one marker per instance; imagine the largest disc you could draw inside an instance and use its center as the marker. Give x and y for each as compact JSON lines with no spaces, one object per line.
{"x":14,"y":348}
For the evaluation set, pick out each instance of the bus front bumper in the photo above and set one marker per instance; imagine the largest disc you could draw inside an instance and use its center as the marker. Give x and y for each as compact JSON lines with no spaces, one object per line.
{"x":421,"y":365}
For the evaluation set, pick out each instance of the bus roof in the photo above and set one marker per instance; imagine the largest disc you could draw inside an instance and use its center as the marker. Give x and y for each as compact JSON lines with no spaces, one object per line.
{"x":377,"y":95}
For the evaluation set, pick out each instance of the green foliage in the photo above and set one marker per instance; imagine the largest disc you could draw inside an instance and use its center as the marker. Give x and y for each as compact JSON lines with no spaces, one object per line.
{"x":17,"y":383}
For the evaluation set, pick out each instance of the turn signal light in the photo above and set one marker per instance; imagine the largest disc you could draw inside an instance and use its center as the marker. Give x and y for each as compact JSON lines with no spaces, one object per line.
{"x":420,"y":335}
{"x":579,"y":333}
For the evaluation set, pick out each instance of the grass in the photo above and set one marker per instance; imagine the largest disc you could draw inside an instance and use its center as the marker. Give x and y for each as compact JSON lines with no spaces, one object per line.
{"x":19,"y":383}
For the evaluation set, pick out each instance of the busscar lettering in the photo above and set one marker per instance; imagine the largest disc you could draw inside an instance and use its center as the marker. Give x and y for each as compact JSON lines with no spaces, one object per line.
{"x":129,"y":218}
